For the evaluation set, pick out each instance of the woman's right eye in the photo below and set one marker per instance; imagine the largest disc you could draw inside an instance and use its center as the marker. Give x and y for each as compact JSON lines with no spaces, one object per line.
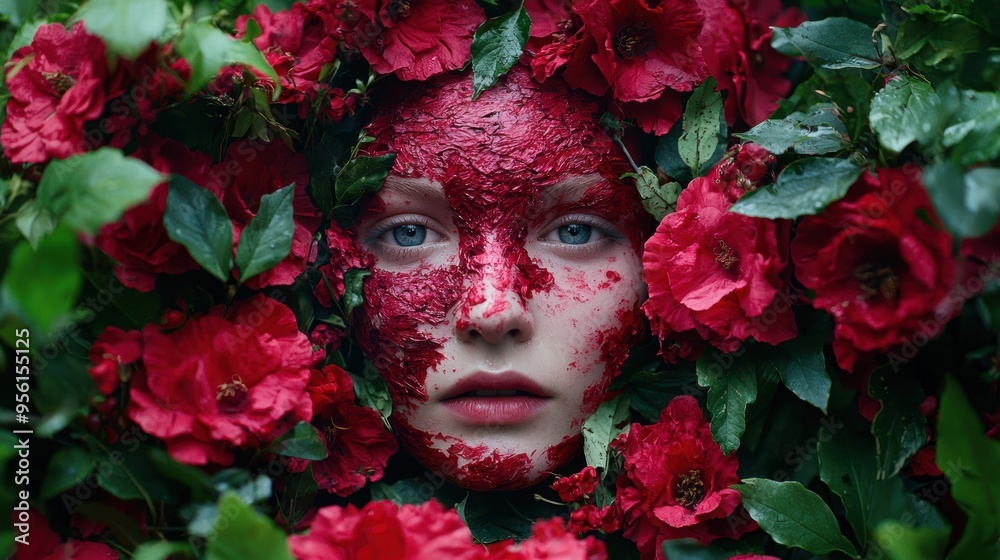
{"x":409,"y":235}
{"x":406,"y":232}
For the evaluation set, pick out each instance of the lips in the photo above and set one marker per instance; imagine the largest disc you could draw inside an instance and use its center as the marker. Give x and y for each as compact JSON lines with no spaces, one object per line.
{"x":497,"y":399}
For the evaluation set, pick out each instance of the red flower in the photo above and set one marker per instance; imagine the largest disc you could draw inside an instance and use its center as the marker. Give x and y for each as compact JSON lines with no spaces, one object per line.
{"x":46,"y":544}
{"x":58,"y":88}
{"x":675,"y":482}
{"x":382,"y":530}
{"x":592,"y":518}
{"x":880,"y":262}
{"x":414,"y":39}
{"x":577,"y":486}
{"x":224,"y":380}
{"x":248,"y":172}
{"x":717,"y":272}
{"x":737,"y":43}
{"x":550,"y":539}
{"x":300,"y":44}
{"x":112,"y":353}
{"x":138,"y":241}
{"x":357,"y":440}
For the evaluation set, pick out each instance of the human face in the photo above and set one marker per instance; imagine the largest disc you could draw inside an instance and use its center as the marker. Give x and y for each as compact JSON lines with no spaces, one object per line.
{"x":523,"y":314}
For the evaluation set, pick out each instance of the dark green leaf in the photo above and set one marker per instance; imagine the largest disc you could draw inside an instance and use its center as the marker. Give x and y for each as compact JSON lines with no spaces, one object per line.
{"x":161,"y":550}
{"x":805,"y":187}
{"x":126,"y":26}
{"x":969,"y":203}
{"x":847,"y":466}
{"x":132,"y":474}
{"x":297,"y":496}
{"x":89,"y":190}
{"x":819,"y":131}
{"x":898,"y":426}
{"x":267,"y":239}
{"x":207,"y":49}
{"x":196,"y":219}
{"x":354,"y":294}
{"x":302,"y":441}
{"x":971,"y":462}
{"x":18,"y":11}
{"x":802,"y":367}
{"x":903,"y":541}
{"x":67,"y":468}
{"x":496,"y":46}
{"x":704,"y":128}
{"x":190,"y":476}
{"x":732,"y":385}
{"x":690,"y":549}
{"x":601,"y":427}
{"x":833,"y":43}
{"x":657,"y":199}
{"x":793,"y":515}
{"x":240,"y":532}
{"x":362,"y":175}
{"x":44,"y":283}
{"x":371,"y":390}
{"x":905,"y":111}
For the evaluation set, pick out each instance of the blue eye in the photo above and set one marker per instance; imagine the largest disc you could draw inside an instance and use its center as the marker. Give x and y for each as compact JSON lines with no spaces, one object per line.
{"x":409,"y":235}
{"x":575,"y":234}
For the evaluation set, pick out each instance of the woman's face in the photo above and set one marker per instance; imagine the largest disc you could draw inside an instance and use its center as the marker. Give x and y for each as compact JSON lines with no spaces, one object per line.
{"x":503,"y":299}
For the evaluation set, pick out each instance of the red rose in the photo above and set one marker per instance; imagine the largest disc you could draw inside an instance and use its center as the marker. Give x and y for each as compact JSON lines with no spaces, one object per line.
{"x":52,"y":95}
{"x":229,"y":379}
{"x":112,"y":353}
{"x":384,"y":530}
{"x":358,"y":443}
{"x":550,"y":539}
{"x":138,"y":240}
{"x":46,"y":544}
{"x":414,"y":39}
{"x":716,"y":272}
{"x":249,"y":171}
{"x":880,"y":262}
{"x":675,"y":482}
{"x":737,"y":43}
{"x":576,"y":486}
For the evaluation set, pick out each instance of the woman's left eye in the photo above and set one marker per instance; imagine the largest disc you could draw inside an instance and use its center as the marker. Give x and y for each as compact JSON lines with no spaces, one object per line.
{"x":578,"y":232}
{"x":575,"y":234}
{"x":409,"y":235}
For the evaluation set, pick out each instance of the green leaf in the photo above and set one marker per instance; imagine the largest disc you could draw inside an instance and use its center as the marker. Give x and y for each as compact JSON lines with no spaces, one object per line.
{"x":132,"y":474}
{"x":126,"y":26}
{"x":793,"y":515}
{"x":362,"y":175}
{"x":18,"y":11}
{"x":161,"y":550}
{"x":903,"y":541}
{"x":196,"y":219}
{"x":34,"y":224}
{"x":732,"y":385}
{"x":833,"y":43}
{"x":297,"y":496}
{"x":207,"y":49}
{"x":496,"y":46}
{"x":67,"y":468}
{"x":898,"y":426}
{"x":970,"y":461}
{"x":89,"y":190}
{"x":603,"y":426}
{"x":906,"y":111}
{"x":267,"y":239}
{"x":974,"y":130}
{"x":819,"y":131}
{"x":657,"y":199}
{"x":371,"y":390}
{"x":44,"y":283}
{"x":802,"y":366}
{"x":240,"y":532}
{"x":704,"y":127}
{"x":354,"y":294}
{"x":23,"y":37}
{"x":847,"y":466}
{"x":968,"y":203}
{"x":302,"y":441}
{"x":805,"y":187}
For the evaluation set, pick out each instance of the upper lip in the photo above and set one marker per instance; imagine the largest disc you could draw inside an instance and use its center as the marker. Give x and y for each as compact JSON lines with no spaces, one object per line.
{"x":503,"y":381}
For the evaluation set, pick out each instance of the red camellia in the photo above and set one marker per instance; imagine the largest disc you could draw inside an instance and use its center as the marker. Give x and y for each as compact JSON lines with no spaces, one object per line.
{"x":382,"y":530}
{"x":415,"y":39}
{"x":577,"y":486}
{"x":55,"y":86}
{"x":550,"y":539}
{"x":46,"y":544}
{"x":715,"y":272}
{"x":675,"y":482}
{"x":112,"y":354}
{"x":228,"y":379}
{"x":138,"y":240}
{"x":251,"y":170}
{"x":881,"y":263}
{"x":358,"y":443}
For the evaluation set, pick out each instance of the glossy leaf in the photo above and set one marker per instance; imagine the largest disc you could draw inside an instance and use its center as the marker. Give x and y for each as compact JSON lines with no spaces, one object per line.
{"x":601,"y":427}
{"x":898,"y":426}
{"x":267,"y":239}
{"x":805,"y":187}
{"x":496,"y":46}
{"x":128,"y":27}
{"x":67,"y":468}
{"x":906,"y":110}
{"x":730,"y":389}
{"x":967,"y":203}
{"x":833,"y":43}
{"x":703,"y":128}
{"x":207,"y":49}
{"x":802,"y":367}
{"x":354,"y":295}
{"x":819,"y":131}
{"x":362,"y":175}
{"x":196,"y":219}
{"x":241,"y":532}
{"x":302,"y":441}
{"x":793,"y":515}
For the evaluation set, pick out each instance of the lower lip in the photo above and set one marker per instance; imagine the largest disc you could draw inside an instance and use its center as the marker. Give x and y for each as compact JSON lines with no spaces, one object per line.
{"x":496,"y":411}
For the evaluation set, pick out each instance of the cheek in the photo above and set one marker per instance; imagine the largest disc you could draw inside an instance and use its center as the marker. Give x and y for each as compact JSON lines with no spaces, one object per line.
{"x":398,"y":308}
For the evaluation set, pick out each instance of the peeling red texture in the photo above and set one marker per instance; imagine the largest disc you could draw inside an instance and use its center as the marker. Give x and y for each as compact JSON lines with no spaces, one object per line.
{"x":562,"y":452}
{"x":615,"y":345}
{"x":396,"y":305}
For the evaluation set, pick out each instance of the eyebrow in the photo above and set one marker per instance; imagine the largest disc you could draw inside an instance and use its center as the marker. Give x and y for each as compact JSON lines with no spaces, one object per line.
{"x":569,"y":190}
{"x":412,"y":188}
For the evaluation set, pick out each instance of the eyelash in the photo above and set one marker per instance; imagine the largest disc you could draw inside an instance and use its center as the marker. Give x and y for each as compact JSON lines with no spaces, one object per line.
{"x":607,"y":229}
{"x":396,"y":251}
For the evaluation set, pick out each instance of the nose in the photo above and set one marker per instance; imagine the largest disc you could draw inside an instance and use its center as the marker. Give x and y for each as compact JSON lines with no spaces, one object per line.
{"x":493,"y":313}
